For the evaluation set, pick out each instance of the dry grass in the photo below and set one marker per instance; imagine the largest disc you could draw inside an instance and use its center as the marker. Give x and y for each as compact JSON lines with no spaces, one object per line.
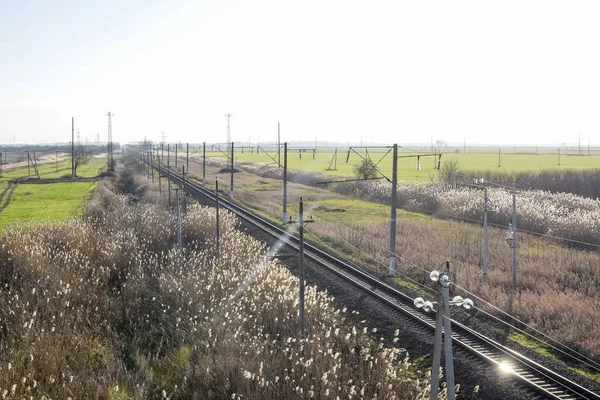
{"x":102,"y":308}
{"x":557,"y":285}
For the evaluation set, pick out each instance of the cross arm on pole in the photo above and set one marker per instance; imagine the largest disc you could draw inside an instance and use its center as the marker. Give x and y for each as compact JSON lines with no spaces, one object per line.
{"x":371,"y":163}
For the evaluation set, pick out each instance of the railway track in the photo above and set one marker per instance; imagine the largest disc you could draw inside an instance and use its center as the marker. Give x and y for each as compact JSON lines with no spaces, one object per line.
{"x":545,"y":382}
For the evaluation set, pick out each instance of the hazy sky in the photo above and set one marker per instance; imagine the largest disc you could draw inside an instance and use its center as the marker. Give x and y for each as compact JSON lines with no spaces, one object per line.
{"x":504,"y":72}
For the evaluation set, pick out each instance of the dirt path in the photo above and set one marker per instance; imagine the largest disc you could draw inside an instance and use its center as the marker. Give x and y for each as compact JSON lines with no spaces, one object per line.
{"x":56,"y":180}
{"x":7,"y":194}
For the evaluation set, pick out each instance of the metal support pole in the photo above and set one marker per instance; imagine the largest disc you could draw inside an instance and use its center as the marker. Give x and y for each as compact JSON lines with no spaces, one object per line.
{"x":485,"y":235}
{"x":498,"y":158}
{"x":284,"y":217}
{"x":175,"y":156}
{"x":231,"y":186}
{"x":159,"y":178}
{"x":217,"y":221}
{"x":301,"y":267}
{"x":169,"y":173}
{"x":335,"y":160}
{"x":279,"y":148}
{"x":179,"y":244}
{"x":187,"y":157}
{"x":392,"y":270}
{"x":204,"y":163}
{"x":448,"y":357}
{"x":151,"y":166}
{"x":437,"y":351}
{"x":184,"y":190}
{"x":73,"y":147}
{"x":514,"y":239}
{"x":1,"y":164}
{"x":28,"y":166}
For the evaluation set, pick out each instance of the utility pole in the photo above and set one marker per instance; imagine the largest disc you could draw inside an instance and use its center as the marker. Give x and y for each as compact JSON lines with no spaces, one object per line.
{"x":559,"y":156}
{"x":511,"y":239}
{"x":109,"y":144}
{"x":204,"y":163}
{"x":448,"y":357}
{"x":301,"y":223}
{"x":179,"y":244}
{"x":151,"y":166}
{"x":284,"y":217}
{"x":148,"y":161}
{"x":217,"y":219}
{"x":443,"y":320}
{"x":498,"y":157}
{"x":485,"y":235}
{"x":514,"y":239}
{"x":228,"y":128}
{"x":392,"y":269}
{"x":184,"y":190}
{"x":175,"y":156}
{"x":169,"y":173}
{"x":231,"y":186}
{"x":279,"y":150}
{"x":159,"y":172}
{"x":301,"y":267}
{"x":72,"y":147}
{"x":187,"y":157}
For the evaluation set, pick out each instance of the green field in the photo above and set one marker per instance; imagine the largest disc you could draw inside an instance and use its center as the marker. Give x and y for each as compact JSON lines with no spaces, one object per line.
{"x":407,"y":162}
{"x":46,"y":202}
{"x":49,"y":171}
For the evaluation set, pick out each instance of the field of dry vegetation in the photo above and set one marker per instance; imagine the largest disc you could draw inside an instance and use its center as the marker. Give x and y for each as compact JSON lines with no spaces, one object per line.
{"x":558,"y":283}
{"x":102,"y":308}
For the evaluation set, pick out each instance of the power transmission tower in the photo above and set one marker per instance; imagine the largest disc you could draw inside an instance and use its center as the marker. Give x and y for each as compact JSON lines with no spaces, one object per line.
{"x":109,"y":144}
{"x":228,"y":129}
{"x":78,"y":137}
{"x":162,"y":137}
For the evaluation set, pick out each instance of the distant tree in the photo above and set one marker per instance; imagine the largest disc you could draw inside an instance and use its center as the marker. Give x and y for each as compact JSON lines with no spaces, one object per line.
{"x":81,"y":156}
{"x":365,"y":170}
{"x":450,"y":171}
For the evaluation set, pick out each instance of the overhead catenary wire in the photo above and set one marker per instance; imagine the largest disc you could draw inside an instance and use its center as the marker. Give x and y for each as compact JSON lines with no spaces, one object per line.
{"x":491,"y":343}
{"x":512,"y":317}
{"x":491,"y":305}
{"x":376,"y":245}
{"x":595,"y":365}
{"x":318,"y":239}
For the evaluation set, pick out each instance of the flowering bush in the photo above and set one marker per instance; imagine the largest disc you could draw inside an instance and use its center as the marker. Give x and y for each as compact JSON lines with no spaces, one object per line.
{"x":104,"y":307}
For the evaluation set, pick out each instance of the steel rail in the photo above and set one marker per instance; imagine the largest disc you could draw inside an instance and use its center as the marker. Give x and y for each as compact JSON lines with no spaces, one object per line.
{"x":534,"y":375}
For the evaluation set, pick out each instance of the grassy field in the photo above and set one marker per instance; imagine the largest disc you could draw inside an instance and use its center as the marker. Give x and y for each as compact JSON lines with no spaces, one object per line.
{"x":105,"y":309}
{"x":46,"y":202}
{"x":361,"y":230}
{"x":49,"y":171}
{"x":324,"y":161}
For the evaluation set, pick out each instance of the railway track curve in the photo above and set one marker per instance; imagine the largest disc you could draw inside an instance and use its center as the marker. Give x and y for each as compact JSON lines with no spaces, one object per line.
{"x":542,"y":380}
